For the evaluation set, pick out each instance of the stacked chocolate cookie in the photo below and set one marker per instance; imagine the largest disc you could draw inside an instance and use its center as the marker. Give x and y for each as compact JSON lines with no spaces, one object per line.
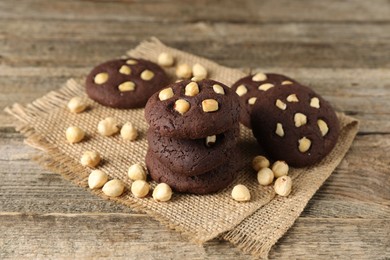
{"x":194,"y":127}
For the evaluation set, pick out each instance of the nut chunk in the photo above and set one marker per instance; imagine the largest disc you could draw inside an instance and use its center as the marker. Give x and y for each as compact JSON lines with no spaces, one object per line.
{"x":129,"y":132}
{"x":76,"y":105}
{"x":283,"y":186}
{"x":90,"y":158}
{"x":108,"y":126}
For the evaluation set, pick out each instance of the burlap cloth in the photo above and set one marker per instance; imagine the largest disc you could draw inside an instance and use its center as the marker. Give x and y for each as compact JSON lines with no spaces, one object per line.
{"x":253,"y":226}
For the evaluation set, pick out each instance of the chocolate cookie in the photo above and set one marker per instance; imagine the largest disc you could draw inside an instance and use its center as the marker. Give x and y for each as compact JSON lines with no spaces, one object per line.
{"x":193,"y":110}
{"x":126,"y":83}
{"x":206,"y":183}
{"x":251,"y":88}
{"x":191,"y":157}
{"x":295,"y":124}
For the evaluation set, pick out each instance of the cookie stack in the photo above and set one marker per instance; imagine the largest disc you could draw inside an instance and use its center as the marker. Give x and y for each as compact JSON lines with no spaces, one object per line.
{"x":194,"y":127}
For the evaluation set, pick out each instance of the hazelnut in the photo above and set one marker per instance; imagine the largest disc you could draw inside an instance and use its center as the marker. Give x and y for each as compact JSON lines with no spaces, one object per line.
{"x":113,"y":188}
{"x":211,"y":140}
{"x":90,"y":158}
{"x":183,"y":71}
{"x":196,"y":79}
{"x":126,"y":86}
{"x":265,"y":176}
{"x":280,"y":104}
{"x":252,"y":100}
{"x":315,"y":102}
{"x":77,"y":105}
{"x":147,"y":75}
{"x":218,"y":89}
{"x":304,"y":144}
{"x":323,"y":127}
{"x":241,"y":193}
{"x":280,"y":168}
{"x":300,"y":119}
{"x":165,"y":59}
{"x":131,"y":62}
{"x":136,"y":172}
{"x":209,"y":105}
{"x":241,"y":90}
{"x":165,"y":94}
{"x":279,"y":130}
{"x":162,"y":192}
{"x":259,"y":162}
{"x":259,"y":77}
{"x":108,"y":126}
{"x":287,"y":82}
{"x":101,"y":78}
{"x":125,"y":70}
{"x":199,"y":71}
{"x":182,"y":106}
{"x":292,"y":98}
{"x":283,"y":186}
{"x":97,"y":179}
{"x":129,"y":132}
{"x":74,"y":134}
{"x":192,"y":89}
{"x":266,"y":86}
{"x":140,"y":188}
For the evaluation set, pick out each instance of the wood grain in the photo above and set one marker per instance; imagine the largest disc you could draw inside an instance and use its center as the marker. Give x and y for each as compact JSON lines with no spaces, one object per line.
{"x":339,"y":48}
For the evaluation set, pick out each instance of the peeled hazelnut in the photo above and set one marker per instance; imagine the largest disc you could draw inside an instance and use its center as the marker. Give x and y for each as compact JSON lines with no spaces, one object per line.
{"x":74,"y":134}
{"x":113,"y":188}
{"x":280,"y":104}
{"x":126,"y":86}
{"x":210,"y":140}
{"x":283,"y":186}
{"x":266,"y":86}
{"x":304,"y":144}
{"x":165,"y":59}
{"x":136,"y":172}
{"x":140,"y":188}
{"x":241,"y":90}
{"x":76,"y":105}
{"x":129,"y":132}
{"x":323,"y":127}
{"x":252,"y":100}
{"x":315,"y":102}
{"x":280,"y":168}
{"x":90,"y":158}
{"x":183,"y":71}
{"x":279,"y":130}
{"x":241,"y":193}
{"x":101,"y":78}
{"x":165,"y":94}
{"x":259,"y":162}
{"x":259,"y":77}
{"x":125,"y":70}
{"x":182,"y":106}
{"x":196,"y":79}
{"x":147,"y":75}
{"x":300,"y":119}
{"x":209,"y":105}
{"x":292,"y":98}
{"x":97,"y":179}
{"x":108,"y":126}
{"x":218,"y":89}
{"x":265,"y":176}
{"x":192,"y":89}
{"x":162,"y":192}
{"x":199,"y":71}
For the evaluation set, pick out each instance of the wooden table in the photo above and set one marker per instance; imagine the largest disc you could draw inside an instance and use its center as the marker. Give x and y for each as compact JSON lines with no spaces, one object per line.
{"x":340,"y":48}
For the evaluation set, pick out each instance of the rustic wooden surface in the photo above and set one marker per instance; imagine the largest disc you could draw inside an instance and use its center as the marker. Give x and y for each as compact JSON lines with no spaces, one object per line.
{"x":340,"y":48}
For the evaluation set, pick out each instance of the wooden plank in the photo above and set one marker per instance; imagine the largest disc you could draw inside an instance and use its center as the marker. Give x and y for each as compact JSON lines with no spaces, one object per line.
{"x":249,"y":11}
{"x":132,"y":236}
